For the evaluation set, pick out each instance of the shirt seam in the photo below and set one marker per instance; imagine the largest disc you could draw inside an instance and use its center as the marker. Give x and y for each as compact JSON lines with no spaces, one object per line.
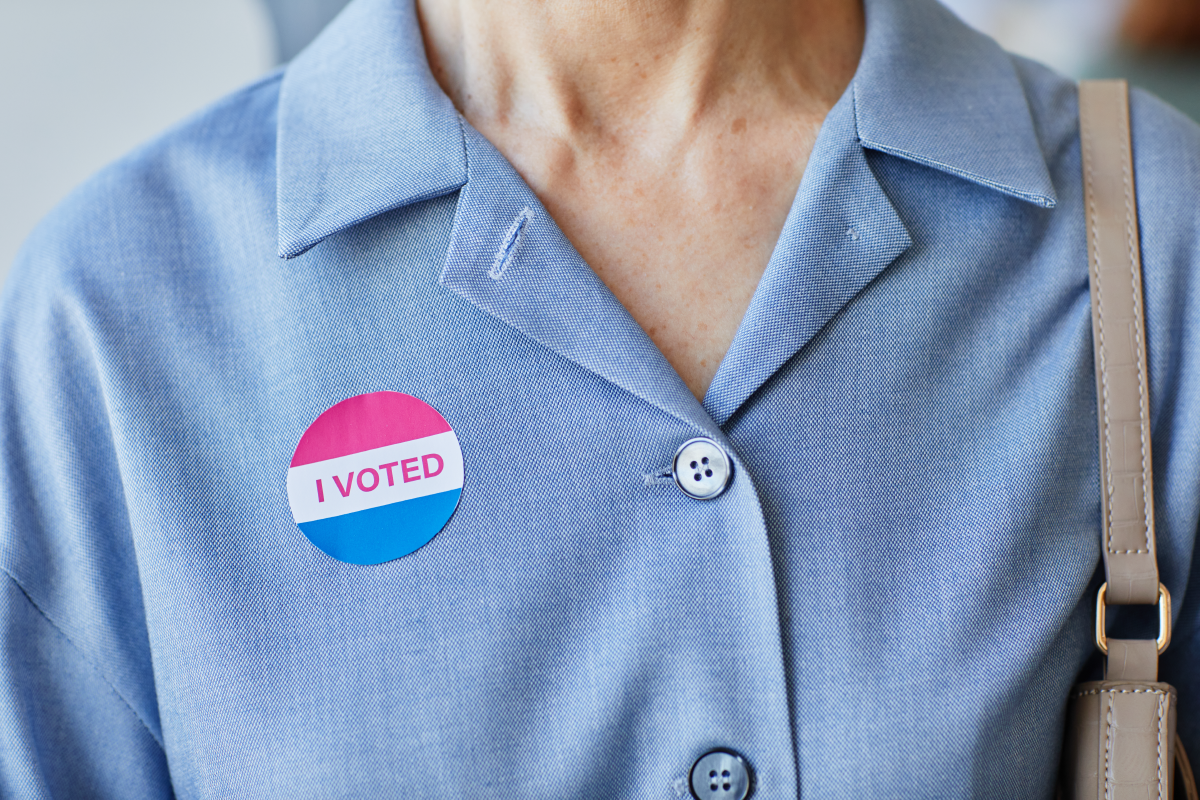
{"x":90,"y":661}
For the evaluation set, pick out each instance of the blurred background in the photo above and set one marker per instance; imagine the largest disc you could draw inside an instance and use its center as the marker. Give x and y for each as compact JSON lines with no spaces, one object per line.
{"x":84,"y":81}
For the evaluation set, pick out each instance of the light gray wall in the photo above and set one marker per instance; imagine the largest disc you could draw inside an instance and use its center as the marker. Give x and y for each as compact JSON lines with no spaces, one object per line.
{"x":297,"y":22}
{"x":84,"y":81}
{"x":1068,"y":35}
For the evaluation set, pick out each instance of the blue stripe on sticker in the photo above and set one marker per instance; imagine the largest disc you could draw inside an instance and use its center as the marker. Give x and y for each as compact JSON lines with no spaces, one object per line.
{"x":376,"y":535}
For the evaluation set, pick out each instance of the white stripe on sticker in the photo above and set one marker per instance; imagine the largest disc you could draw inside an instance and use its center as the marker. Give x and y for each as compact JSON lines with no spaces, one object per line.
{"x":374,"y":478}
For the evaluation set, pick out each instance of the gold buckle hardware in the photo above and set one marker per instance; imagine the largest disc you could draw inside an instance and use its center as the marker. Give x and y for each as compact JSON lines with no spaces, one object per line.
{"x":1164,"y":619}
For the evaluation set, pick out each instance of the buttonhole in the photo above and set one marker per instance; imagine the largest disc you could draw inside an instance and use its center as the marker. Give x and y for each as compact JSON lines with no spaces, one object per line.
{"x":510,"y":245}
{"x":656,"y":478}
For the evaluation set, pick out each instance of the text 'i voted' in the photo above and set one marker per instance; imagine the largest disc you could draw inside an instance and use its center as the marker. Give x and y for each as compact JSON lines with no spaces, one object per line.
{"x":408,"y":469}
{"x":375,"y":477}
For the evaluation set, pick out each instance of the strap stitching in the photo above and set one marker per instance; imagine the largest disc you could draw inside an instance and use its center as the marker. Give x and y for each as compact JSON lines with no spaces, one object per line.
{"x":1131,"y":243}
{"x":1108,"y":731}
{"x":1108,"y":735}
{"x":1121,"y":691}
{"x":1158,"y":746}
{"x":1089,"y":171}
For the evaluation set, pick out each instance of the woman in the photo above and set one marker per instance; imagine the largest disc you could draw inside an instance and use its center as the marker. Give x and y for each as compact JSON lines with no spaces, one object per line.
{"x":724,"y":371}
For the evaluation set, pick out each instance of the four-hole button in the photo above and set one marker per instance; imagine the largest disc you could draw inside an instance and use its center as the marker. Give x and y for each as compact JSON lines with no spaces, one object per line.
{"x":721,"y":775}
{"x":702,"y":469}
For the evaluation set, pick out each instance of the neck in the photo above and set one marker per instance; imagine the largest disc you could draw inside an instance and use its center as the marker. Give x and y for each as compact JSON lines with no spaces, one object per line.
{"x":625,"y":71}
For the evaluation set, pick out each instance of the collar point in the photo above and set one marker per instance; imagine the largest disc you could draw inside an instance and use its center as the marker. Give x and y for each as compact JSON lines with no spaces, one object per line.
{"x":1042,"y":198}
{"x":296,"y":243}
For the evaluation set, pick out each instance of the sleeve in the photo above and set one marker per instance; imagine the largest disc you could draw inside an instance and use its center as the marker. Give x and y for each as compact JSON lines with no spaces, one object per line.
{"x":78,"y":711}
{"x":64,"y":730}
{"x":1167,"y":166}
{"x":1180,"y":667}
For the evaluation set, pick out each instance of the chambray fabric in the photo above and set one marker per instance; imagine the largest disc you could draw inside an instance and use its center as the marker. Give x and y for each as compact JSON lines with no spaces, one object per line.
{"x":891,"y":600}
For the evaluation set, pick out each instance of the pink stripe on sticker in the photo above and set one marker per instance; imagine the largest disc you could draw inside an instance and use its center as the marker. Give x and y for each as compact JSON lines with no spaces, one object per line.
{"x":366,"y":422}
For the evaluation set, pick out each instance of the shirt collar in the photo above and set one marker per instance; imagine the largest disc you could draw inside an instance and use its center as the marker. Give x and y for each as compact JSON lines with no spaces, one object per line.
{"x":931,"y":90}
{"x":364,"y":128}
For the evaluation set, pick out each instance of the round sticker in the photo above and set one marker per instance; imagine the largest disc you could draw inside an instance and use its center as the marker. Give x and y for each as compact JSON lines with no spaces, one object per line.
{"x":375,"y":477}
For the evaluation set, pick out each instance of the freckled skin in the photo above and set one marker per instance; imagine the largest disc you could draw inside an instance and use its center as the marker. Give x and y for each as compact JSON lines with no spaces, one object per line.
{"x":681,"y":239}
{"x":667,"y":138}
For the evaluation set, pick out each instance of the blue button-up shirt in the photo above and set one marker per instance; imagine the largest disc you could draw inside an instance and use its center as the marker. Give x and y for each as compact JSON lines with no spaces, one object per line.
{"x":892,"y":599}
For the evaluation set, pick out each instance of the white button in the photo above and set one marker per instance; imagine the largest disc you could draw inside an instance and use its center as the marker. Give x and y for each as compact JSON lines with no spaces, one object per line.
{"x":721,"y":775}
{"x":701,"y":468}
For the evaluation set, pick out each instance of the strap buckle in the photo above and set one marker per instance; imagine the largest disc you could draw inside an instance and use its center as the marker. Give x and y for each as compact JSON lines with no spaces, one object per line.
{"x":1164,"y":619}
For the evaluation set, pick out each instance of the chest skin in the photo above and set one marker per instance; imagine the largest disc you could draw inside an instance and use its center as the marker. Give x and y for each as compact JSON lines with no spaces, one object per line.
{"x":666,"y":140}
{"x":681,"y":236}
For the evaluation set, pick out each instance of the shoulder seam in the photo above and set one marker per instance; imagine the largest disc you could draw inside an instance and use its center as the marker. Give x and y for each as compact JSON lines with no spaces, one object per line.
{"x":91,"y":662}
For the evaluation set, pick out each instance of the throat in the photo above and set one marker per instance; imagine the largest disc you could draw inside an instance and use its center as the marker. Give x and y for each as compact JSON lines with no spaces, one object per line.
{"x":684,"y":242}
{"x":667,"y":138}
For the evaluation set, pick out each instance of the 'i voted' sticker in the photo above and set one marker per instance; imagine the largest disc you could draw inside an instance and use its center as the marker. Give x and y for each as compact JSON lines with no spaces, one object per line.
{"x":375,"y":477}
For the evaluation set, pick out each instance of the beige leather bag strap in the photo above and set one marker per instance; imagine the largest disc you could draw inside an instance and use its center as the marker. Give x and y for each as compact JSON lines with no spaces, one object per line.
{"x":1121,"y":738}
{"x":1120,"y":730}
{"x":1118,"y":325}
